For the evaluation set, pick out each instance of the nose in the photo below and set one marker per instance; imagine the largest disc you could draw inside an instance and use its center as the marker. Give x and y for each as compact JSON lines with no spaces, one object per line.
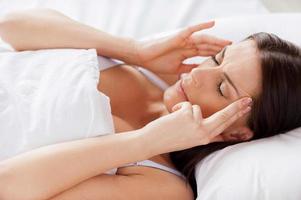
{"x":200,"y":75}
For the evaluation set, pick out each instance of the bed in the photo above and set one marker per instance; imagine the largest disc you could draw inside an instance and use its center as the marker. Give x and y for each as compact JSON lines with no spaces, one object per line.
{"x":217,"y":176}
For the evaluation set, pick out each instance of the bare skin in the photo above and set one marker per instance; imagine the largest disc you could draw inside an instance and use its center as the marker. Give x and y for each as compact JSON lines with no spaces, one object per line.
{"x":147,"y":102}
{"x":140,"y":104}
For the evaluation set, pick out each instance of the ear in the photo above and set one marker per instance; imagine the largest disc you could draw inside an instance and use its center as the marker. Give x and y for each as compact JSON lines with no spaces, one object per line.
{"x":238,"y":134}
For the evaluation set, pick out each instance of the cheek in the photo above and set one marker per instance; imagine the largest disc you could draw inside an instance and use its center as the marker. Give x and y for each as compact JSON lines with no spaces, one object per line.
{"x":208,"y":101}
{"x":206,"y":97}
{"x":208,"y":107}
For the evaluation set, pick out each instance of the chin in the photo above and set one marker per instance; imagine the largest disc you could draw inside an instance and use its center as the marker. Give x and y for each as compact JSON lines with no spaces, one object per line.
{"x":172,"y":97}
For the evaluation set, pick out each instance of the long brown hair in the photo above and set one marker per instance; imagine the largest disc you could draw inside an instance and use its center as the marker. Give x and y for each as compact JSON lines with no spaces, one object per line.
{"x":276,"y":110}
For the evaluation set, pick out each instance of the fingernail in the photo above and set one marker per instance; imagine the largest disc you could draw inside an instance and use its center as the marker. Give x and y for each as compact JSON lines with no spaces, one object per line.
{"x":247,"y":101}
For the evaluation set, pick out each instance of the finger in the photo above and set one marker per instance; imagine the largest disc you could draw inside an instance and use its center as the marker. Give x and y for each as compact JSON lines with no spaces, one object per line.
{"x":225,"y":125}
{"x":202,"y":26}
{"x":185,"y":105}
{"x":207,"y":53}
{"x":191,"y":29}
{"x":177,"y":107}
{"x":184,"y":68}
{"x":197,"y":113}
{"x":209,"y":39}
{"x":219,"y":121}
{"x":217,"y":138}
{"x":206,"y":47}
{"x":188,"y":53}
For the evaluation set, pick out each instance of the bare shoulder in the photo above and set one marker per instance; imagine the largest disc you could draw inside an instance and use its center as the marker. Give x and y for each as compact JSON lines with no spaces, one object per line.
{"x":164,"y":183}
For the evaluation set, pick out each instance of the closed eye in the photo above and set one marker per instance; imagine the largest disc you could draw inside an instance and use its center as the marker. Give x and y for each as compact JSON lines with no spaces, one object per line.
{"x":220,"y":83}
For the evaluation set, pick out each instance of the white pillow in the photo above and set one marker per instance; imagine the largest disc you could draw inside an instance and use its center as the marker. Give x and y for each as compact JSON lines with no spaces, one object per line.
{"x":50,"y":96}
{"x":238,"y":28}
{"x":263,"y":169}
{"x":260,"y":170}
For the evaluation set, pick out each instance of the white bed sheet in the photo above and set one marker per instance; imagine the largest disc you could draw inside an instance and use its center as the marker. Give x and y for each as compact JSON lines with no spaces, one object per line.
{"x":43,"y":103}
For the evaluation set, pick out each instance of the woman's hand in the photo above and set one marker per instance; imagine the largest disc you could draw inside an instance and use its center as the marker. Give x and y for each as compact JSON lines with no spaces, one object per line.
{"x":166,"y":55}
{"x":186,"y":128}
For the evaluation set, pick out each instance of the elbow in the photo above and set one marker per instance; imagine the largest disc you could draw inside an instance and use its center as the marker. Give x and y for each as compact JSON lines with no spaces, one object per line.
{"x":20,"y":28}
{"x":9,"y":27}
{"x":15,"y":27}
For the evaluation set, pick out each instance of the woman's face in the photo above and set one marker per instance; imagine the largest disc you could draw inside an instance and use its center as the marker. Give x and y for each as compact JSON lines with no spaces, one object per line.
{"x":219,"y":81}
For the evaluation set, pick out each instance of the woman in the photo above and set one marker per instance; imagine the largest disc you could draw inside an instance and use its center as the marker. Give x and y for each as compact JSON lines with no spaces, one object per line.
{"x":239,"y":70}
{"x":33,"y":30}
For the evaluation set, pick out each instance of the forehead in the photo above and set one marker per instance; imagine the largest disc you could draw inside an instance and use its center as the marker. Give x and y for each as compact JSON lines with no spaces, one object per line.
{"x":242,"y":63}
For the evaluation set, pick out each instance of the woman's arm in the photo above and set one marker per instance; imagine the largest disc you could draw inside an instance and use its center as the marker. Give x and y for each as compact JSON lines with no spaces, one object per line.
{"x":149,"y":185}
{"x":47,"y":171}
{"x":46,"y":29}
